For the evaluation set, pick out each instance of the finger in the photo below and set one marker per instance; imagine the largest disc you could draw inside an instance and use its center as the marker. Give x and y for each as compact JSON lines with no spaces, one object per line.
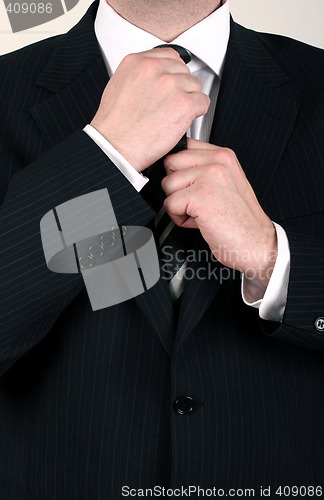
{"x":202,"y":103}
{"x":179,"y":220}
{"x":168,"y":60}
{"x":160,"y":53}
{"x":190,"y":223}
{"x":179,"y":180}
{"x":187,"y":159}
{"x":164,"y":52}
{"x":167,"y":54}
{"x":176,"y":206}
{"x":196,"y":144}
{"x":221,"y":155}
{"x":189,"y":83}
{"x":201,"y":153}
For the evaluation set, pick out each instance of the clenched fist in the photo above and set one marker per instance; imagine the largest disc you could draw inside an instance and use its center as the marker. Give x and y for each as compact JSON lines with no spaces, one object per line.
{"x":207,"y":189}
{"x":148,"y":105}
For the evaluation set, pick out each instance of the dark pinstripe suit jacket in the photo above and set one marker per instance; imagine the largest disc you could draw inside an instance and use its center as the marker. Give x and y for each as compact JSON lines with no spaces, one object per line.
{"x":86,"y":398}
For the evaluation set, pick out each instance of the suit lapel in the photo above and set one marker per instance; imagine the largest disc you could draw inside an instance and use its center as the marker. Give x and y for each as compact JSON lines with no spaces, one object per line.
{"x":203,"y":280}
{"x":255,"y":113}
{"x":254,"y":116}
{"x":157,"y":306}
{"x":75,"y":76}
{"x":73,"y":107}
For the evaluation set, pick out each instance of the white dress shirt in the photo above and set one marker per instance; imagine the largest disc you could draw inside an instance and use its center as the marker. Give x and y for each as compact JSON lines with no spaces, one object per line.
{"x":123,"y":38}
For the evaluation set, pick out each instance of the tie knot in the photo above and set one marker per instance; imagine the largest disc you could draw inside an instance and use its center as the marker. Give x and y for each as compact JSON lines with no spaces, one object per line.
{"x":183,"y":53}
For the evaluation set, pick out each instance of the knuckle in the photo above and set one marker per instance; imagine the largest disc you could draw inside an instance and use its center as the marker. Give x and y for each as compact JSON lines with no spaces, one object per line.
{"x":206,"y":102}
{"x":203,"y":104}
{"x":130,"y":59}
{"x":147,"y":65}
{"x":167,"y":204}
{"x":150,"y":65}
{"x":171,"y":202}
{"x":206,"y":99}
{"x":164,"y":183}
{"x":167,"y":81}
{"x":203,"y":188}
{"x":196,"y":83}
{"x":215,"y":171}
{"x":173,"y":53}
{"x":184,"y":102}
{"x":167,"y":163}
{"x":228,"y":154}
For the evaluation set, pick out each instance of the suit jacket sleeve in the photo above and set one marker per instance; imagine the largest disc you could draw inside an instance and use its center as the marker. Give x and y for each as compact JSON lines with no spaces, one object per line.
{"x":284,"y":160}
{"x":305,"y":300}
{"x":31,"y":296}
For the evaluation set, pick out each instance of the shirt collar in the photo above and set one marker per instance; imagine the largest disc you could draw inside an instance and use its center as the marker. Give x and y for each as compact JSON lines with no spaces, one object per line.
{"x":207,"y":40}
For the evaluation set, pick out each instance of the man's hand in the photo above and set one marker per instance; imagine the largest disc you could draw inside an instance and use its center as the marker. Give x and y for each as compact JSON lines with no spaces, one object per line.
{"x":148,"y":105}
{"x":207,"y":189}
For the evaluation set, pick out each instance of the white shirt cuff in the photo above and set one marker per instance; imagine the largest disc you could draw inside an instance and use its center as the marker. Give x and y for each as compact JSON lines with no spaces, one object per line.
{"x":271,"y":300}
{"x":137,"y":180}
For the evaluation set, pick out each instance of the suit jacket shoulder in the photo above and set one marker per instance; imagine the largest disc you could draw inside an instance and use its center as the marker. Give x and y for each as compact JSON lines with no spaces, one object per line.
{"x":23,"y":67}
{"x":302,"y":63}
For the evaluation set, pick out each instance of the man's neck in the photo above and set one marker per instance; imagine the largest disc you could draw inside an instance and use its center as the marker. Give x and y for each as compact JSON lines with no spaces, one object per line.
{"x":166,"y":19}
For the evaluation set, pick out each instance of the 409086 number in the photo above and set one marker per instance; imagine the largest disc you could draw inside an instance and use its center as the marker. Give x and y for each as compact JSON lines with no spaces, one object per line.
{"x":29,"y":8}
{"x":300,"y":491}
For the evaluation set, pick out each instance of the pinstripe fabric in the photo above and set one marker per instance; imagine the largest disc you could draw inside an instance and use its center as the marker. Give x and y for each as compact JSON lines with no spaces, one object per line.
{"x":86,"y":399}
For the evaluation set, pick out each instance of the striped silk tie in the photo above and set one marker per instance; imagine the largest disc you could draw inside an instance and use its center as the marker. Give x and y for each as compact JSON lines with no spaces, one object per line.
{"x":173,"y":241}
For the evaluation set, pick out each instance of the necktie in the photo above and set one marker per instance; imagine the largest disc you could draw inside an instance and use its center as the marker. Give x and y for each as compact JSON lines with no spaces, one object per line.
{"x":186,"y":57}
{"x":173,"y":240}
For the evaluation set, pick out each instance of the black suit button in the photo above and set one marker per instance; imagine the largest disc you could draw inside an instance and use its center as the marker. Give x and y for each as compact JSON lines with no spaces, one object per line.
{"x":319,"y":324}
{"x":184,"y":405}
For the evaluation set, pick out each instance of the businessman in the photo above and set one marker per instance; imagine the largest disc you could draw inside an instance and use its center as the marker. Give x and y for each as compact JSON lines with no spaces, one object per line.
{"x":212,"y":379}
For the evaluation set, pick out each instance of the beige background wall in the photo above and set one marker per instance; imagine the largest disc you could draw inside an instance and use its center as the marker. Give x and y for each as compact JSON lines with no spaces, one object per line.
{"x":301,"y":19}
